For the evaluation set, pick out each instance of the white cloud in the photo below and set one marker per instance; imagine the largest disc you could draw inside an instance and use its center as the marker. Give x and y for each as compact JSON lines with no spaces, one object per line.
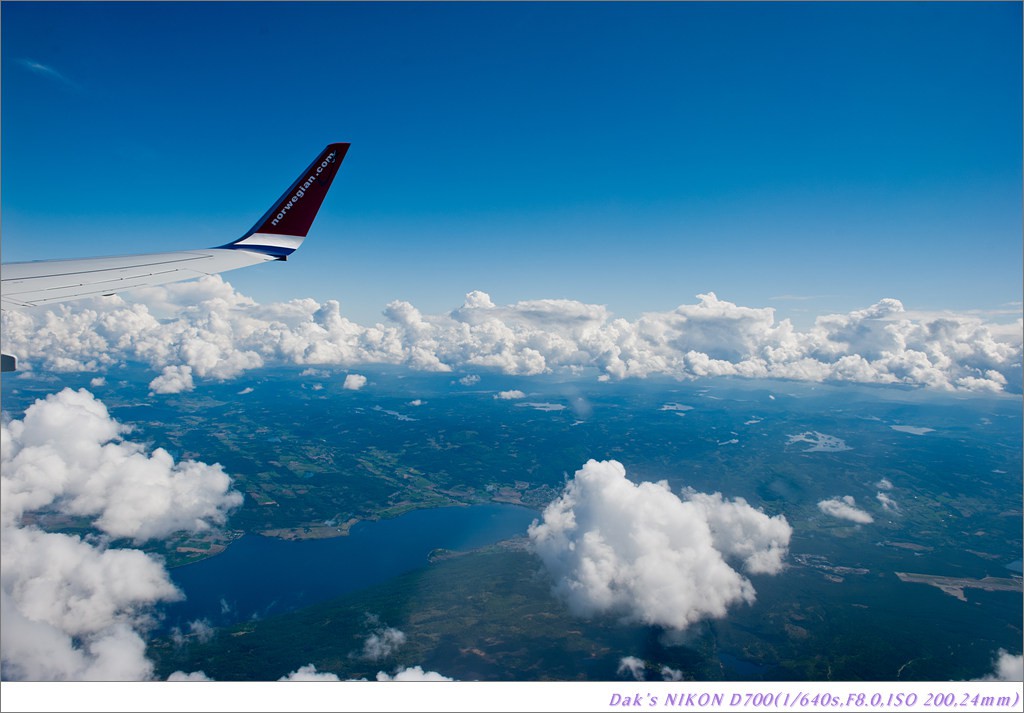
{"x":198,"y":629}
{"x":743,"y":533}
{"x":671,"y":674}
{"x":193,"y":676}
{"x":382,"y":643}
{"x":510,"y":395}
{"x":73,"y":608}
{"x":636,"y":667}
{"x":47,"y":71}
{"x":97,"y":381}
{"x":201,"y":630}
{"x":246,"y":390}
{"x":417,"y":402}
{"x":173,"y":380}
{"x":415,"y":673}
{"x":309,"y":673}
{"x":845,"y":508}
{"x":1006,"y":667}
{"x":74,"y":611}
{"x":887,"y":502}
{"x":637,"y":550}
{"x":633,"y":666}
{"x":68,"y":451}
{"x":354,"y":382}
{"x":218,"y":333}
{"x":884,"y":484}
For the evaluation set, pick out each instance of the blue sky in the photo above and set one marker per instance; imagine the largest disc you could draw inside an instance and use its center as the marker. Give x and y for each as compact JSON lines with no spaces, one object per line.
{"x":809,"y":157}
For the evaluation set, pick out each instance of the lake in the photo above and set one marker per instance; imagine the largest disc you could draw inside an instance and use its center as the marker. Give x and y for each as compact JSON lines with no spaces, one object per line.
{"x":261,"y":576}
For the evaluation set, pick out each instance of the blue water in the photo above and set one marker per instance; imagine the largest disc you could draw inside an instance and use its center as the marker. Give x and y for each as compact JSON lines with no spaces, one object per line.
{"x":262,"y":576}
{"x":741,"y":667}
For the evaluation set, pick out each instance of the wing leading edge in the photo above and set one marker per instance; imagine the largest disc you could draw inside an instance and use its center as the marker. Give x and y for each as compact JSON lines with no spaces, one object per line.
{"x":275,"y":236}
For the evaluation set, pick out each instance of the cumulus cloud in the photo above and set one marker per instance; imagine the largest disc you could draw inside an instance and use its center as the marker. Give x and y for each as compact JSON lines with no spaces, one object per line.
{"x":200,"y":630}
{"x":97,"y":382}
{"x":74,"y":608}
{"x":382,"y":643}
{"x":638,"y":550}
{"x":636,"y":667}
{"x":69,"y":452}
{"x":415,"y":673}
{"x":173,"y":380}
{"x":887,"y":502}
{"x":743,"y":533}
{"x":510,"y":395}
{"x":193,"y":676}
{"x":218,"y":333}
{"x":354,"y":382}
{"x":884,"y":484}
{"x":845,"y":508}
{"x":74,"y":611}
{"x":1006,"y":667}
{"x":633,"y":666}
{"x":309,"y":673}
{"x":671,"y":674}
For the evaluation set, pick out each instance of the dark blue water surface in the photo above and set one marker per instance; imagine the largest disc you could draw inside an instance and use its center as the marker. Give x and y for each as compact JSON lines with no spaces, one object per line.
{"x":260,"y":576}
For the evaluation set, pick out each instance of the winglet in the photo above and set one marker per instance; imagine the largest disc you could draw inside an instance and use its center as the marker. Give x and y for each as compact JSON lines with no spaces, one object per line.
{"x":282,"y":228}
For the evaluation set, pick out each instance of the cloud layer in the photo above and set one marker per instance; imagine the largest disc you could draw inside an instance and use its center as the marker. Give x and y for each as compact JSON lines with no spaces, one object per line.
{"x":205,"y":329}
{"x":74,"y":608}
{"x":639,"y":551}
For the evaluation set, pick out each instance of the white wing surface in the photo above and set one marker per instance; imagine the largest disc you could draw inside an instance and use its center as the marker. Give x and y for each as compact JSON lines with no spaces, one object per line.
{"x":274,"y":237}
{"x":26,"y":284}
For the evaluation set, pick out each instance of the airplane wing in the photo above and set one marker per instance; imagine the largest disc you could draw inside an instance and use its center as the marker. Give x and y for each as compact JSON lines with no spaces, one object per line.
{"x":274,"y":237}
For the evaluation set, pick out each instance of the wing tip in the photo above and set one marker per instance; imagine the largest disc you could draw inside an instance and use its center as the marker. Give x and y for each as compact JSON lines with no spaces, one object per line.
{"x":282,"y":228}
